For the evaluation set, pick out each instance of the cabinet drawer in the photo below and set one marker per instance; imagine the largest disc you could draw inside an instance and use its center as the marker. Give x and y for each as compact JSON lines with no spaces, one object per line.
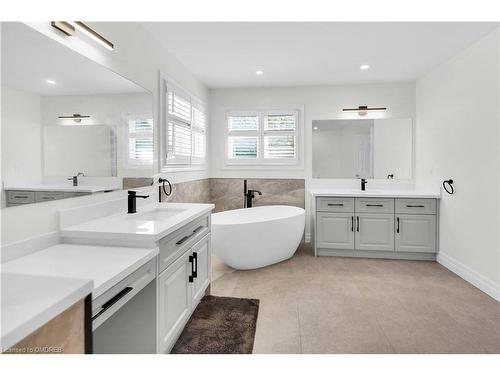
{"x":415,"y":206}
{"x":173,"y":245}
{"x":20,"y":197}
{"x":114,"y":298}
{"x":334,"y":204}
{"x":375,"y":205}
{"x":43,"y":196}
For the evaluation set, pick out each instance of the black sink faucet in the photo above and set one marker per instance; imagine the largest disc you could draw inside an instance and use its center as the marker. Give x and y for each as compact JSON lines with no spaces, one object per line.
{"x":132,"y":196}
{"x":75,"y":178}
{"x":363,"y":184}
{"x":249,"y":195}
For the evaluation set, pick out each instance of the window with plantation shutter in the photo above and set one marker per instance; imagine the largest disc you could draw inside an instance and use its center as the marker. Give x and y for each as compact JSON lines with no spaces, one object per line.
{"x":263,"y":137}
{"x":140,"y":141}
{"x":185,"y":134}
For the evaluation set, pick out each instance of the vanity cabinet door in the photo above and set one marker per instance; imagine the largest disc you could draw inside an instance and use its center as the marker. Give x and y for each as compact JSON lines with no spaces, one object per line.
{"x":416,"y":233}
{"x":335,"y":230}
{"x":375,"y":232}
{"x":200,"y":283}
{"x":175,"y":301}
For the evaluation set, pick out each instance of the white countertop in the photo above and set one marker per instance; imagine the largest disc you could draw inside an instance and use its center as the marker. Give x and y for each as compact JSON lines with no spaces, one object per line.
{"x":139,"y":226}
{"x":63,"y":188}
{"x":30,"y":301}
{"x":419,"y":193}
{"x":104,"y":265}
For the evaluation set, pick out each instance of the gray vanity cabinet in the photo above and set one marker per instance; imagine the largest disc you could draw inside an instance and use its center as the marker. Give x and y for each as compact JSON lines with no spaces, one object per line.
{"x":335,"y":230}
{"x":400,"y":228}
{"x":416,"y":233}
{"x":375,"y":232}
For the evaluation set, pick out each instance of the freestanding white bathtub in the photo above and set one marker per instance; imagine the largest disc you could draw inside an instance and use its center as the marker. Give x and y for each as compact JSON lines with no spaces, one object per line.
{"x":255,"y":237}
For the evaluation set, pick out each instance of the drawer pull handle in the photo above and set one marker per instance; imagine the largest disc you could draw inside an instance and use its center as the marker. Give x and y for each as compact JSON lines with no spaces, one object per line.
{"x":415,"y":206}
{"x":374,"y":205}
{"x":352,"y":223}
{"x":193,"y":259}
{"x":113,"y":300}
{"x":397,"y":230}
{"x":336,"y":204}
{"x":20,"y":196}
{"x":185,"y":238}
{"x":357,"y":223}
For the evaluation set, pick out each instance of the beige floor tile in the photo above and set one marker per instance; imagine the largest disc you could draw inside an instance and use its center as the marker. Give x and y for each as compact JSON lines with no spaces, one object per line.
{"x":351,"y":305}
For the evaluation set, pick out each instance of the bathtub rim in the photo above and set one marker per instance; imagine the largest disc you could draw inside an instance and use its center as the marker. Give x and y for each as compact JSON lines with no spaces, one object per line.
{"x":298,"y":213}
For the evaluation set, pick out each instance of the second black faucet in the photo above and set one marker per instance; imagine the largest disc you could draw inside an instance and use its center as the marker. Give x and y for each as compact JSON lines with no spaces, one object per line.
{"x":132,"y":204}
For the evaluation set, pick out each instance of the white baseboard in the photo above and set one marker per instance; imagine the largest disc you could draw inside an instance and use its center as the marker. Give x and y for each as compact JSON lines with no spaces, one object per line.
{"x":468,"y":274}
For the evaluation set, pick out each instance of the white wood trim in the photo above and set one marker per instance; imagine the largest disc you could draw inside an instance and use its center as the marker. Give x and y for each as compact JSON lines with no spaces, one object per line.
{"x":468,"y":274}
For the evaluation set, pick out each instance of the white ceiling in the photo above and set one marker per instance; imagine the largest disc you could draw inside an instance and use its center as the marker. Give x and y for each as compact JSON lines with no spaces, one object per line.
{"x":228,"y":54}
{"x":29,"y":58}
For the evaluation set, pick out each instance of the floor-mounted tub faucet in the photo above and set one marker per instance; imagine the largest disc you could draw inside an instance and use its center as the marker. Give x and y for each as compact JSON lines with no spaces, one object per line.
{"x":249,"y":195}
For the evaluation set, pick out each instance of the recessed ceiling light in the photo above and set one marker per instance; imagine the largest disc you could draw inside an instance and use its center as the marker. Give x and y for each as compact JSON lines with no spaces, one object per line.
{"x":364,"y":67}
{"x":315,"y":128}
{"x":259,"y":72}
{"x":51,"y":82}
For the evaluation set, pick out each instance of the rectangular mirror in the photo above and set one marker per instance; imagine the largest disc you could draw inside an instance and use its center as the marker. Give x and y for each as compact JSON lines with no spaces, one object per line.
{"x":70,"y":126}
{"x":367,"y":148}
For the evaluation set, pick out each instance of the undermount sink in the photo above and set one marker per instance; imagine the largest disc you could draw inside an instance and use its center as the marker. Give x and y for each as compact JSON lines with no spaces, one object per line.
{"x":158,"y":214}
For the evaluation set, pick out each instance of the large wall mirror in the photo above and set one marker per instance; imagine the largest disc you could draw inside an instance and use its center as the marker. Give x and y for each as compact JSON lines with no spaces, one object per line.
{"x":379,"y":148}
{"x":70,"y":126}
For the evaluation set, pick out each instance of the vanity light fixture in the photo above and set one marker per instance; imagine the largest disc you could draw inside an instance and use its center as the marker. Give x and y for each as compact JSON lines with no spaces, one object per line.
{"x":76,"y":117}
{"x":64,"y":27}
{"x":69,"y":27}
{"x":92,"y":34}
{"x":363,"y":109}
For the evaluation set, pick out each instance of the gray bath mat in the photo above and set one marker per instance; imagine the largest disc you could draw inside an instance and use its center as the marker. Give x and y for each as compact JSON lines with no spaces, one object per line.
{"x":220,"y":325}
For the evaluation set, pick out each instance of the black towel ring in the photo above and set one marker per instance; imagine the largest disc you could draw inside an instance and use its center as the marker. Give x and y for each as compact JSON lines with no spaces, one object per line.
{"x":163,"y":181}
{"x":448,"y":186}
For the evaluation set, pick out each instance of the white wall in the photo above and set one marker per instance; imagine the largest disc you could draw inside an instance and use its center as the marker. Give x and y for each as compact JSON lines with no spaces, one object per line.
{"x":109,"y":110}
{"x":318,"y":103}
{"x":392,"y":148}
{"x":458,"y":137}
{"x":138,"y":57}
{"x":21,"y":121}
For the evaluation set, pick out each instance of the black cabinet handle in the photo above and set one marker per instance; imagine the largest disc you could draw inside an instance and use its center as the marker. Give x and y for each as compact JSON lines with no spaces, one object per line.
{"x":357,"y":223}
{"x":336,"y":204}
{"x":20,"y":196}
{"x":352,"y":223}
{"x":113,"y":300}
{"x":415,"y":206}
{"x":191,"y":277}
{"x":374,"y":205}
{"x":195,"y":258}
{"x":397,"y":230}
{"x":185,"y":238}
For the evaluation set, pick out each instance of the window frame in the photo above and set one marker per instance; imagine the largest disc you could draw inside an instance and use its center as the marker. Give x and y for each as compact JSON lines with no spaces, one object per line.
{"x":260,"y":161}
{"x":134,"y":163}
{"x":191,"y":163}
